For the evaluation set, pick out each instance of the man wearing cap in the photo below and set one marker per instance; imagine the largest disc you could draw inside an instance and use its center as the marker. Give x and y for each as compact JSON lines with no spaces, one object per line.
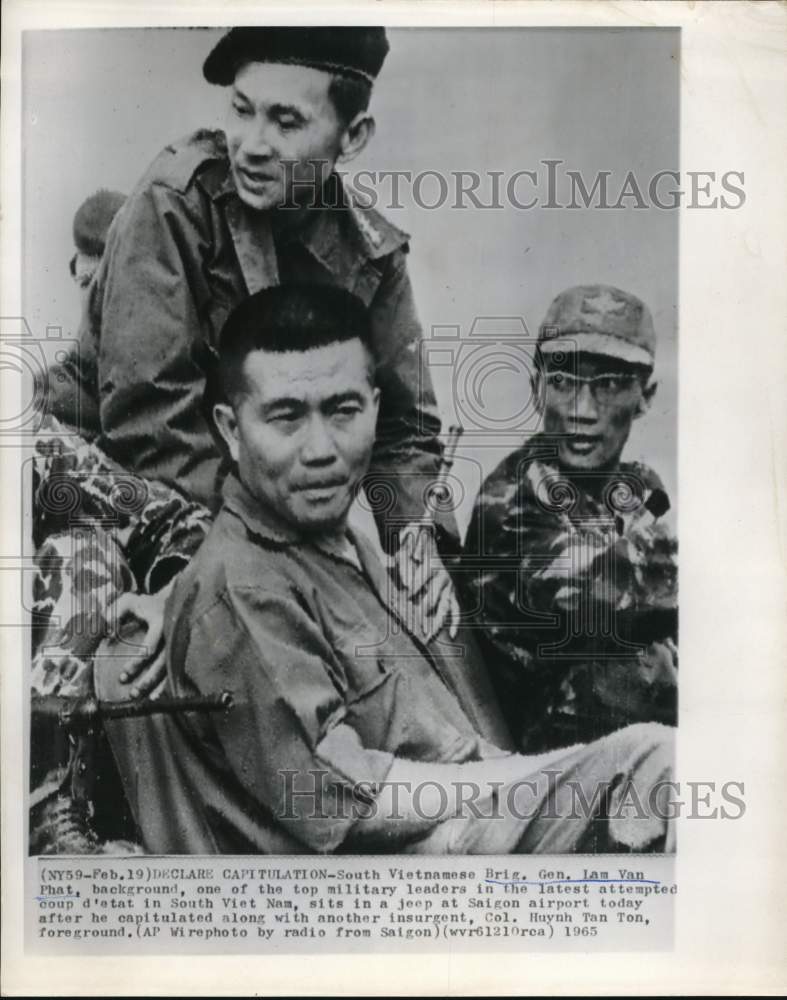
{"x":221,"y":215}
{"x":568,"y":567}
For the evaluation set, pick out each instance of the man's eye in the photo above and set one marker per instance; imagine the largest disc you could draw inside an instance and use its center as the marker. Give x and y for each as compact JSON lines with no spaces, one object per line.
{"x":286,"y":417}
{"x":241,"y":110}
{"x":346,"y":411}
{"x":287,"y":123}
{"x":615,"y":384}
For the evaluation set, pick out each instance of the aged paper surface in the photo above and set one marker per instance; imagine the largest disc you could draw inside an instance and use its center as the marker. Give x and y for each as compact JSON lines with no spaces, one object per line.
{"x":721,"y":385}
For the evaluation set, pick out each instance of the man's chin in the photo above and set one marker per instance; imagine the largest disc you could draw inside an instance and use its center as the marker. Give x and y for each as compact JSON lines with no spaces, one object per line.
{"x":316,"y":520}
{"x":260,"y":202}
{"x":264,"y":198}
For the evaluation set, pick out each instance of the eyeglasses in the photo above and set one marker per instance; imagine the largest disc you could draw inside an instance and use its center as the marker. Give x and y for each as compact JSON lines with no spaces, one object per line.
{"x":608,"y":387}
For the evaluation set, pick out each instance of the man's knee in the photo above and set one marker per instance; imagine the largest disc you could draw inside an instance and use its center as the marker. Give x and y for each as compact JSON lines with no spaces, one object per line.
{"x":643,"y":762}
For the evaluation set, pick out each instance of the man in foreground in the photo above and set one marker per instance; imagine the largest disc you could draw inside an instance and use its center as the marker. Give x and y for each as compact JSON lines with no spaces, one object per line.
{"x":343,"y":735}
{"x":568,"y":565}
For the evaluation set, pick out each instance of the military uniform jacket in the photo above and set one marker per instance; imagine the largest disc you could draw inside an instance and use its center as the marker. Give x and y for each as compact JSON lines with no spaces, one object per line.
{"x":185,"y":250}
{"x":324,"y":688}
{"x":570,"y":577}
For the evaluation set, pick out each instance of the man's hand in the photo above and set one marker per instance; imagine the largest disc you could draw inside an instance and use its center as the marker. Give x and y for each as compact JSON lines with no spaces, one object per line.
{"x":418,"y":571}
{"x":659,"y":663}
{"x":144,"y":613}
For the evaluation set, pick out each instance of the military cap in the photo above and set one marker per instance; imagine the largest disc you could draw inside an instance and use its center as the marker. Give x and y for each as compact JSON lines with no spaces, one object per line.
{"x":599,"y":319}
{"x":349,"y":51}
{"x":93,"y":219}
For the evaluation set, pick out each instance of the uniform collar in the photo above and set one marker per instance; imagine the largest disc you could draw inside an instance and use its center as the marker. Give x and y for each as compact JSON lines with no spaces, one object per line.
{"x":540,"y":454}
{"x":273,"y":532}
{"x":265,"y":525}
{"x":257,"y":518}
{"x":341,"y":235}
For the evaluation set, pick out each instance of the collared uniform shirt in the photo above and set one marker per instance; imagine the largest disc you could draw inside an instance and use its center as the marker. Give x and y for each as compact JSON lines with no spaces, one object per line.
{"x":328,"y":687}
{"x":569,"y":577}
{"x":181,"y":254}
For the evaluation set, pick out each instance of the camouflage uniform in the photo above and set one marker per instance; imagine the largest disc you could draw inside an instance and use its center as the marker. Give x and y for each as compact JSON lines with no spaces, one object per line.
{"x":549,"y":560}
{"x":99,"y":532}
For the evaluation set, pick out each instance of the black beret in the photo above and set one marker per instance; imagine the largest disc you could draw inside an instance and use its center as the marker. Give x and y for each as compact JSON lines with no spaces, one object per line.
{"x":355,"y":51}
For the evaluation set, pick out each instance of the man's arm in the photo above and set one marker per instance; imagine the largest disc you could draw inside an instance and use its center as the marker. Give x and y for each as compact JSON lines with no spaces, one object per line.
{"x":149,"y":527}
{"x":418,"y":799}
{"x":69,"y":389}
{"x":406,"y":459}
{"x":408,"y":449}
{"x":152,"y":348}
{"x":514,"y":567}
{"x":288,"y":740}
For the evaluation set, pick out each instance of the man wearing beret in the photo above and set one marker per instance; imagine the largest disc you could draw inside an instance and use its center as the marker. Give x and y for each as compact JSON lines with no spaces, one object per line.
{"x":221,"y":215}
{"x":568,"y":566}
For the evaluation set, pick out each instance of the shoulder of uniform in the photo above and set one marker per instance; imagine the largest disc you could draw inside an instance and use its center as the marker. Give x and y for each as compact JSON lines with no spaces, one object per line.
{"x":179,"y":162}
{"x":649,"y":478}
{"x":655,"y":495}
{"x":504,"y":481}
{"x":529,"y":464}
{"x":379,"y":236}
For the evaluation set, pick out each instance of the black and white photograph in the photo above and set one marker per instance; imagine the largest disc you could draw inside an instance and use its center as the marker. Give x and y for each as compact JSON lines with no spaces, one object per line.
{"x":350,"y":488}
{"x":357,"y":475}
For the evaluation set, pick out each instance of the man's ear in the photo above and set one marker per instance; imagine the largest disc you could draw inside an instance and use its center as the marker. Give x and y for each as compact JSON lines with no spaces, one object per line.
{"x":376,"y":398}
{"x":647,"y":398}
{"x":227,"y":426}
{"x":356,"y":136}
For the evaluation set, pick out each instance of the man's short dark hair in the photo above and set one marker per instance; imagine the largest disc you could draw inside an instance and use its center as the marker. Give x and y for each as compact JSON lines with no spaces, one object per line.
{"x":350,"y":95}
{"x":295,"y":317}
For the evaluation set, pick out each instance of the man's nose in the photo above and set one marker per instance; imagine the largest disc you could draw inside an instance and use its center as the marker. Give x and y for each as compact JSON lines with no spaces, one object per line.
{"x":585,"y":406}
{"x":318,"y":447}
{"x":258,"y":141}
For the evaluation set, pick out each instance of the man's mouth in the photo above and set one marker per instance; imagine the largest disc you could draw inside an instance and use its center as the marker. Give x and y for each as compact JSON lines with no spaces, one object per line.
{"x":322,"y":491}
{"x":582,"y":444}
{"x":256,"y":179}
